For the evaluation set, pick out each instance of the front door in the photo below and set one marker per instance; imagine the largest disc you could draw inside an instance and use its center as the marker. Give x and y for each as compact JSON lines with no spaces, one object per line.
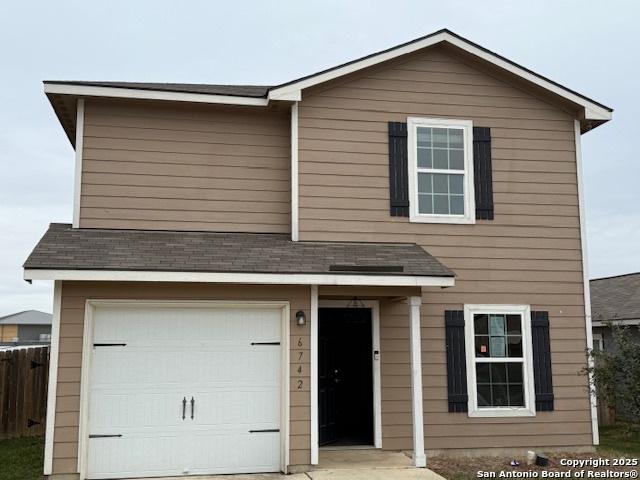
{"x":184,"y":390}
{"x":345,"y":376}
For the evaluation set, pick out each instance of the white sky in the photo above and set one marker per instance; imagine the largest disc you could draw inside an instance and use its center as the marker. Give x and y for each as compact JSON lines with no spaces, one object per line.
{"x":591,"y":47}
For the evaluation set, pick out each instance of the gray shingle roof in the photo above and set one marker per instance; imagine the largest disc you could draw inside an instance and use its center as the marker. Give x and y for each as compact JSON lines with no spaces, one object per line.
{"x":615,"y":298}
{"x":28,"y":317}
{"x":258,"y":91}
{"x":66,"y":248}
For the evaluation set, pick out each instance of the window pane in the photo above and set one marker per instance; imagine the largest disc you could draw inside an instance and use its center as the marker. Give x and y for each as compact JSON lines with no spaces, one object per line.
{"x":482,"y":373}
{"x":516,"y":396}
{"x":441,"y":204}
{"x":456,"y":184}
{"x":484,"y":395}
{"x":456,"y":159}
{"x":515,"y":346}
{"x":424,"y":182}
{"x":424,"y":136}
{"x":456,"y":138}
{"x":498,"y":373}
{"x":481,"y":323}
{"x":440,"y":158}
{"x":500,"y":396}
{"x":514,"y":325}
{"x":425,"y":203}
{"x":440,"y":137}
{"x":482,"y":346}
{"x":457,"y":204}
{"x":498,"y":347}
{"x":514,"y":371}
{"x":497,"y":325}
{"x":440,"y":183}
{"x":424,"y":158}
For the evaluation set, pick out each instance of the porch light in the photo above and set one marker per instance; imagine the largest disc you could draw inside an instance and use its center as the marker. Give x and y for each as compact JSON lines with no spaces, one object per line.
{"x":301,"y":318}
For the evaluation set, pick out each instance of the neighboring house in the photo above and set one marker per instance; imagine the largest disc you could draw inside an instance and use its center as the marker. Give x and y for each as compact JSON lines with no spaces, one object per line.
{"x":388,"y":253}
{"x":616,"y":300}
{"x":30,"y":326}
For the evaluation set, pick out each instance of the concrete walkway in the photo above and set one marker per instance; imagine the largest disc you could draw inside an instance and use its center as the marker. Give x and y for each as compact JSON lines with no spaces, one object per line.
{"x":345,"y":465}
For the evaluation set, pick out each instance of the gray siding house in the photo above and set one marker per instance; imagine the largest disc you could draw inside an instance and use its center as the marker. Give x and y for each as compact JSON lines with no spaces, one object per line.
{"x":30,"y":326}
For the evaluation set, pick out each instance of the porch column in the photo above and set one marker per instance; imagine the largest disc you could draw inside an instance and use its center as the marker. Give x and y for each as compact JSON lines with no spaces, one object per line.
{"x":419,"y":458}
{"x":313,"y":345}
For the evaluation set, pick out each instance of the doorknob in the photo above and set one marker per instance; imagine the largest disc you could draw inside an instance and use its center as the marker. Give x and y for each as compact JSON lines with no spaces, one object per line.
{"x":193,"y":403}
{"x":184,"y":406}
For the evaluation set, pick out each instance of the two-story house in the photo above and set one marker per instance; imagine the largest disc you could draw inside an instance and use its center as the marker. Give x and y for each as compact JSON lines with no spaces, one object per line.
{"x":388,"y":253}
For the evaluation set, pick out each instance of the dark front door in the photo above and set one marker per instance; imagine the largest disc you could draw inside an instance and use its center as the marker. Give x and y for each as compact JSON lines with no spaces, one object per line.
{"x":345,"y":376}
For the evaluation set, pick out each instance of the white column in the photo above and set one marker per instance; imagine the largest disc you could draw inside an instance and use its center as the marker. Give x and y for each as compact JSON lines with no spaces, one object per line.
{"x":313,"y":346}
{"x":419,"y":458}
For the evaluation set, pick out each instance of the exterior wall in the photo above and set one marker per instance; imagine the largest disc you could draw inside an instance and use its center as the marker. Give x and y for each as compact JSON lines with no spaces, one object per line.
{"x":74,"y":296}
{"x":530,"y":253}
{"x":8,"y":333}
{"x":31,"y":333}
{"x":175,"y":167}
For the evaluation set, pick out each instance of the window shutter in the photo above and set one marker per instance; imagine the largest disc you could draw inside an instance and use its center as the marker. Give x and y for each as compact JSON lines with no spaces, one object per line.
{"x":542,"y":361}
{"x":456,"y":361}
{"x":483,"y":178}
{"x":398,"y":170}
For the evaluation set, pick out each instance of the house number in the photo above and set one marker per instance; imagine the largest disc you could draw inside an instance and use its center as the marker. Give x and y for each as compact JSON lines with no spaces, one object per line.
{"x":299,"y":381}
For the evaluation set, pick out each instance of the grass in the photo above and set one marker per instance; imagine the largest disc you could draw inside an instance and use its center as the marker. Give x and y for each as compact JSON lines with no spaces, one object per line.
{"x":621,"y":438}
{"x":21,"y":458}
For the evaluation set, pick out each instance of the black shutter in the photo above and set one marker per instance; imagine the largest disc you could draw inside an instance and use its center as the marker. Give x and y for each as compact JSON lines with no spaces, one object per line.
{"x":398,"y":170}
{"x":483,"y":178}
{"x":456,"y":361}
{"x":542,"y":361}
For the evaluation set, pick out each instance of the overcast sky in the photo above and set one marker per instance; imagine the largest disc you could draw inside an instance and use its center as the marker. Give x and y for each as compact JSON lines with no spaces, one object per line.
{"x":592,"y":47}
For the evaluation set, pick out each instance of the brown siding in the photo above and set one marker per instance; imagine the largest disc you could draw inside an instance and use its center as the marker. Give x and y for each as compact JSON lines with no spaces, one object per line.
{"x":176,"y":167}
{"x":74,"y":296}
{"x":530,"y":253}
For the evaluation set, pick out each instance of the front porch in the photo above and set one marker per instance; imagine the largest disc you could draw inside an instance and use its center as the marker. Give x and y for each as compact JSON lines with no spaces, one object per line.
{"x":394,"y":407}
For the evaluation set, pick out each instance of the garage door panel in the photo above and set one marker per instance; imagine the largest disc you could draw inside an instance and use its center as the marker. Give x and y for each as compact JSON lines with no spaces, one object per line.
{"x":127,"y":456}
{"x":243,"y":408}
{"x":122,"y":412}
{"x":238,"y":453}
{"x":174,"y":353}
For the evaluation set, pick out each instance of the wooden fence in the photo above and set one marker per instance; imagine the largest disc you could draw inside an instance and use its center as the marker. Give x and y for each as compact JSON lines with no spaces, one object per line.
{"x":24,"y":376}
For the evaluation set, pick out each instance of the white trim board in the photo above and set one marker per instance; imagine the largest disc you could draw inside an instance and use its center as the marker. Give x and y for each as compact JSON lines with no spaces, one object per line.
{"x":78,"y":168}
{"x":295,"y":182}
{"x":374,"y":306}
{"x":52,"y":391}
{"x":87,"y":349}
{"x":293,"y":90}
{"x":253,"y":278}
{"x":585,"y":279}
{"x":313,"y":371}
{"x":136,"y":93}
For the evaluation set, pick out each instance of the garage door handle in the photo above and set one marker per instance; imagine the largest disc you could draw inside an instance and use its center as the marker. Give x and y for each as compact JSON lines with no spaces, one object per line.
{"x":184,"y":407}
{"x":193,"y":403}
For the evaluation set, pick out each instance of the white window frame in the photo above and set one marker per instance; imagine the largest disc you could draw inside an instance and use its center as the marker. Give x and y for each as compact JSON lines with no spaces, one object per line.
{"x":529,"y":409}
{"x":469,"y":216}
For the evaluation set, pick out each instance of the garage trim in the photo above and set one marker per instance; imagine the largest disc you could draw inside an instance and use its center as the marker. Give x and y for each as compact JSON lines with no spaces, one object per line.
{"x":87,"y":350}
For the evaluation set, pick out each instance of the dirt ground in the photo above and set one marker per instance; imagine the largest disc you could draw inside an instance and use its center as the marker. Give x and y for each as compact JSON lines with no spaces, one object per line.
{"x":465,"y":468}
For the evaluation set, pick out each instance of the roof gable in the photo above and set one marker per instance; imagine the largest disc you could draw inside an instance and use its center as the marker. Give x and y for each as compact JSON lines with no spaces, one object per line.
{"x":592,"y":111}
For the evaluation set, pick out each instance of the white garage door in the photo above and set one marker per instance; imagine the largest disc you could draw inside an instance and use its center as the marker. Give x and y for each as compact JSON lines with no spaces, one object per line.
{"x":180,"y":390}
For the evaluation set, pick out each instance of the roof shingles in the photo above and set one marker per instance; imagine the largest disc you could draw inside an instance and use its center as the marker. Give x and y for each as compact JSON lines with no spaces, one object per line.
{"x":615,"y":298}
{"x":66,"y":248}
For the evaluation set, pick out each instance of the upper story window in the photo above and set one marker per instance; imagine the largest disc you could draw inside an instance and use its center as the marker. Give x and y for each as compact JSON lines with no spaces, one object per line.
{"x":499,"y":360}
{"x":440,"y":170}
